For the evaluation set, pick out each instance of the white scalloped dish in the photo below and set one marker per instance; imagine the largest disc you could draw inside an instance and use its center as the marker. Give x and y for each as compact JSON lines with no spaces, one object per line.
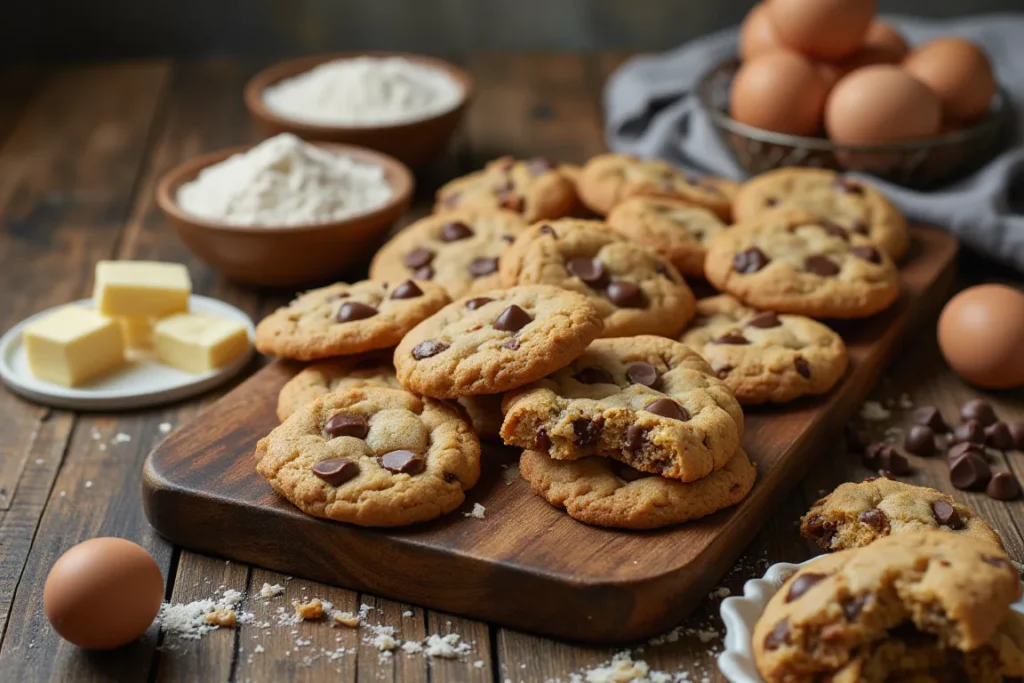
{"x":741,"y":613}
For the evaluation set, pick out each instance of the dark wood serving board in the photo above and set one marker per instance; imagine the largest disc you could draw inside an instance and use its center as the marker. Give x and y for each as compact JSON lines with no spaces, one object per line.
{"x":526,"y":565}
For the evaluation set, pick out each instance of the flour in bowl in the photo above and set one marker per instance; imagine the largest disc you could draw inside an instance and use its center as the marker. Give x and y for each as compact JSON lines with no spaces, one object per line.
{"x":285,"y":181}
{"x":364,"y":91}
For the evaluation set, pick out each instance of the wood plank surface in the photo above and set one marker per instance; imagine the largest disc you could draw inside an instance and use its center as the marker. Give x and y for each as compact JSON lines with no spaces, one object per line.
{"x":77,"y":188}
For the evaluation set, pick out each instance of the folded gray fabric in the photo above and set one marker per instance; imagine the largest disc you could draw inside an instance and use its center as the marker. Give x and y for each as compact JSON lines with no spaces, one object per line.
{"x":651,"y":110}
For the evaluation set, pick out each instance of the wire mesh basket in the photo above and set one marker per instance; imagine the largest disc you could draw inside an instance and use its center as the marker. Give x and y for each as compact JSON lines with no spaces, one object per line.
{"x":917,"y":164}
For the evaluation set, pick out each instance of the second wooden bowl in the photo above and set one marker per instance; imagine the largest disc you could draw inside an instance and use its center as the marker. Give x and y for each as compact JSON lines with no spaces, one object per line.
{"x":286,"y":256}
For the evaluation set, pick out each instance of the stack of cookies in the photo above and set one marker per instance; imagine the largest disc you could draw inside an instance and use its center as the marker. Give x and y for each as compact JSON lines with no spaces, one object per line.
{"x":545,"y":306}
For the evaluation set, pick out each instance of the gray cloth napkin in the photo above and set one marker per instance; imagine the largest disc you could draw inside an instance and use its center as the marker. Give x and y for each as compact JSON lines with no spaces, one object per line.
{"x":651,"y":110}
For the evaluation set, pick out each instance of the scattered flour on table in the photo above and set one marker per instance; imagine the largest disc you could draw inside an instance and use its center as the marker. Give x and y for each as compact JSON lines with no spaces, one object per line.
{"x":364,"y":91}
{"x":164,"y":427}
{"x":477,"y":512}
{"x":509,"y":473}
{"x":189,"y":620}
{"x":874,"y":411}
{"x":284,"y":181}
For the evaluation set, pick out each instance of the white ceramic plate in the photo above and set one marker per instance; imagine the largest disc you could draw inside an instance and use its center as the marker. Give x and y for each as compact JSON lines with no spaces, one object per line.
{"x":144,"y":382}
{"x":741,"y":613}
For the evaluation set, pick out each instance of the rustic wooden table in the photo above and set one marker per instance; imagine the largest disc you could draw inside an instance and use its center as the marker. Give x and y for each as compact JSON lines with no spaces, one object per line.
{"x":81,"y":149}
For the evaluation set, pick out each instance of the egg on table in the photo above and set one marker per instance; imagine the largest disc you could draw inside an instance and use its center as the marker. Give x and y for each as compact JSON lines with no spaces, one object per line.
{"x":780,"y":91}
{"x":103,"y":593}
{"x":958,"y":72}
{"x":822,"y":29}
{"x":981,"y":334}
{"x":881,"y":104}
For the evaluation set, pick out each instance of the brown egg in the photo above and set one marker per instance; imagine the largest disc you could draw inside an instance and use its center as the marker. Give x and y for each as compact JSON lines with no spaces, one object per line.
{"x":881,"y":104}
{"x":882,"y":45}
{"x":103,"y":593}
{"x":822,"y":29}
{"x":757,"y":35}
{"x":958,"y":72}
{"x":981,"y":334}
{"x":780,"y":91}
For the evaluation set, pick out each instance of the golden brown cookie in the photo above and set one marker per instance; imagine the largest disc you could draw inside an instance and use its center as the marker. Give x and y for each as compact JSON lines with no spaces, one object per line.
{"x":324,"y":377}
{"x":533,"y":188}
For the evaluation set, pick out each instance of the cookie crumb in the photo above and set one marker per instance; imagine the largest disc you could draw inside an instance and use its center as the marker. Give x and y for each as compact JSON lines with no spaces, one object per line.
{"x":407,"y":613}
{"x":271,"y":591}
{"x":874,"y":411}
{"x":314,"y":609}
{"x":479,"y":664}
{"x":721,"y":592}
{"x":221,"y":616}
{"x":383,"y":638}
{"x":346,"y":619}
{"x":904,"y":402}
{"x":412,"y":647}
{"x":258,"y":649}
{"x":88,"y":484}
{"x":509,"y":473}
{"x":121,"y":437}
{"x":445,"y":647}
{"x":477,"y":512}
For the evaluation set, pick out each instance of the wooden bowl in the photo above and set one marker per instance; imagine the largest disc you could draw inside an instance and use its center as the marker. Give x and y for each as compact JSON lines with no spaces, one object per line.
{"x":413,"y":143}
{"x":286,"y":256}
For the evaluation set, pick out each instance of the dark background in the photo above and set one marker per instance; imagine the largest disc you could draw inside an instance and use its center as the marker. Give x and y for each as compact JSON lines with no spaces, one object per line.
{"x":57,"y":30}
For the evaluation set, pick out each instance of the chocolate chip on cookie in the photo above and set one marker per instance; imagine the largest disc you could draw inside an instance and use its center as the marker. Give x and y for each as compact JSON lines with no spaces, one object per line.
{"x":369,"y":316}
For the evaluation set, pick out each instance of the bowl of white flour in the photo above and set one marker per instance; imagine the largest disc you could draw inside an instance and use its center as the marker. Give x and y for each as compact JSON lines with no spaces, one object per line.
{"x":402,"y":104}
{"x":285,"y":212}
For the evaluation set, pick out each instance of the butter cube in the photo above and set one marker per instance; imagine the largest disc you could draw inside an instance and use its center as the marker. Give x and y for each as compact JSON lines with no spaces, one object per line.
{"x":141,"y":288}
{"x":199,"y":343}
{"x":72,"y":346}
{"x":137,"y":331}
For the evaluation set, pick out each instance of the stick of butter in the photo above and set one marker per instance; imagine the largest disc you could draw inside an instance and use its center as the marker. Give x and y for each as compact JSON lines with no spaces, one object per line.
{"x":141,"y":288}
{"x":199,"y":343}
{"x":72,"y":346}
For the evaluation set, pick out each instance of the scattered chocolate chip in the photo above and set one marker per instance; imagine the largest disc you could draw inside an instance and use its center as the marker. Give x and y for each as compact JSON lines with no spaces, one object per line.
{"x":450,"y":477}
{"x":627,"y":473}
{"x":849,"y":186}
{"x":539,"y":165}
{"x":543,"y":441}
{"x":875,"y":519}
{"x":1003,"y":486}
{"x":428,"y":348}
{"x":977,"y":409}
{"x":593,"y":375}
{"x":336,"y":471}
{"x":407,"y":290}
{"x":882,"y":456}
{"x":820,"y":265}
{"x":1017,"y":432}
{"x":635,"y":437}
{"x":512,"y":319}
{"x":353,"y":310}
{"x":405,"y":462}
{"x":856,"y":440}
{"x":749,"y":261}
{"x":969,"y":472}
{"x":418,"y":257}
{"x":665,"y":407}
{"x":590,"y":270}
{"x":869,"y":254}
{"x":347,"y":424}
{"x":802,"y":584}
{"x":511,"y":344}
{"x":626,"y":294}
{"x":424,"y":273}
{"x":920,"y":440}
{"x":930,"y":417}
{"x":778,"y":637}
{"x":834,"y":229}
{"x":764,"y":320}
{"x":853,"y":606}
{"x":479,"y":301}
{"x":958,"y":449}
{"x":642,"y":373}
{"x":871,"y":454}
{"x":588,"y":432}
{"x":971,"y":430}
{"x":997,"y":435}
{"x":732,"y":337}
{"x":453,"y":231}
{"x":802,"y":367}
{"x":548,"y":230}
{"x":946,"y":515}
{"x":481,"y":266}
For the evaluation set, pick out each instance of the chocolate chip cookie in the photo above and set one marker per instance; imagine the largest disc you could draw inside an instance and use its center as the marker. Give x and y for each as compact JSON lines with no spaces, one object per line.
{"x":647,"y":401}
{"x":672,"y":228}
{"x":327,"y":376}
{"x":458,"y":250}
{"x":635,"y":291}
{"x":847,"y":205}
{"x":533,"y":188}
{"x":496,"y":341}
{"x":608,"y":493}
{"x":373,"y":457}
{"x":484,"y":414}
{"x":856,"y":514}
{"x":765,"y":357}
{"x":793,"y":262}
{"x":930,"y":588}
{"x":608,"y":179}
{"x":344,"y":319}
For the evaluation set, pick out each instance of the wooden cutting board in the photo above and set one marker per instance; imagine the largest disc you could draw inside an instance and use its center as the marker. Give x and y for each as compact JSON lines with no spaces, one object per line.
{"x":525,"y":565}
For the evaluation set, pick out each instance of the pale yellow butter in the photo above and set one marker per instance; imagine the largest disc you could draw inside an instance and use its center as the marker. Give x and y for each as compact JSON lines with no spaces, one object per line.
{"x":141,"y":288}
{"x":199,"y":343}
{"x":73,"y":345}
{"x":137,"y":331}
